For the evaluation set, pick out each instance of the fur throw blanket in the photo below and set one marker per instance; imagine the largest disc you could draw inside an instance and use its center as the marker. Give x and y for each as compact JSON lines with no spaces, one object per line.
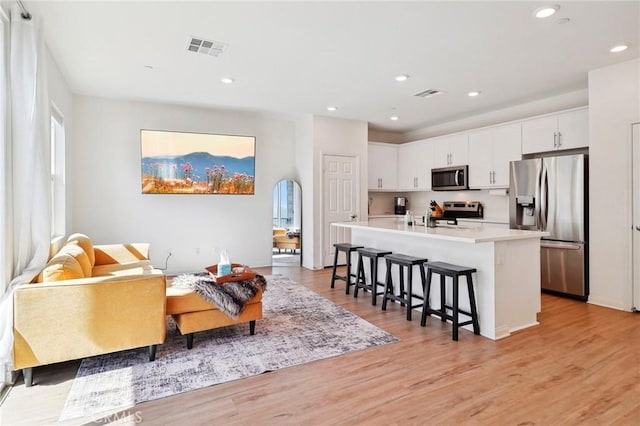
{"x":229,"y":297}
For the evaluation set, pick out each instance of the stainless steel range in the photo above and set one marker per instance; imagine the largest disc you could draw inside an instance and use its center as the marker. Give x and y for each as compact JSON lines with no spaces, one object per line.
{"x":462,"y":209}
{"x":454,"y":210}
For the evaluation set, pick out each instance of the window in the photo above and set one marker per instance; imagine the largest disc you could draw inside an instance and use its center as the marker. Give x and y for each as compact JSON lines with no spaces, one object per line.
{"x":57,"y":174}
{"x":284,"y":200}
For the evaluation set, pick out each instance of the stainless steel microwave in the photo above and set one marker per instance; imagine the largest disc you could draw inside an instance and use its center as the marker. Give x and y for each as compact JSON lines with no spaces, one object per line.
{"x":450,"y":178}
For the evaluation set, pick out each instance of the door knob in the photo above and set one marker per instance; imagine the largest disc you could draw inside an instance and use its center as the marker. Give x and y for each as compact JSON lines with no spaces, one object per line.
{"x":353,"y":216}
{"x":637,"y":227}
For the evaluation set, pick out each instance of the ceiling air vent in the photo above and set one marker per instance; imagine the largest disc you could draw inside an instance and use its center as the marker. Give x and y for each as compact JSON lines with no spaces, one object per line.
{"x":428,"y":93}
{"x":206,"y":47}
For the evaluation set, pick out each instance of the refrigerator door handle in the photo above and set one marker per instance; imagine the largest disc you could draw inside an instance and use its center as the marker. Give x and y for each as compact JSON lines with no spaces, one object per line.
{"x":538,"y":194}
{"x":544,"y":192}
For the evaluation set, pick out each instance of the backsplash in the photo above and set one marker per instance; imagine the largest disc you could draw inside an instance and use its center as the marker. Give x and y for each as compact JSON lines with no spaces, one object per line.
{"x":382,"y":202}
{"x":495,"y":206}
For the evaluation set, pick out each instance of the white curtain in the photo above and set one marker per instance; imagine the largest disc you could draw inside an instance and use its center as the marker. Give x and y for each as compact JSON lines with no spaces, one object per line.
{"x":25,"y":169}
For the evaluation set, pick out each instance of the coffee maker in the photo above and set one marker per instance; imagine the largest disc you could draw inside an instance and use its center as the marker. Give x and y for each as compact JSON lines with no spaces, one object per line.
{"x":400,"y":205}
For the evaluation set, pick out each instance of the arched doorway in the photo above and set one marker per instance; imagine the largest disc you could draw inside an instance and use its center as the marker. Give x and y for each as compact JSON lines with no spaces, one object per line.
{"x":287,"y":224}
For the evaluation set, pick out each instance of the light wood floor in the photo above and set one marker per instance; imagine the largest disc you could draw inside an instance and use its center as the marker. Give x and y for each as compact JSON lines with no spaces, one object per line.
{"x":581,"y":365}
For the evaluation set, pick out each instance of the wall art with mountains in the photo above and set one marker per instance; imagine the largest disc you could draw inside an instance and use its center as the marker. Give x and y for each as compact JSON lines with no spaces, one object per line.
{"x":193,"y":163}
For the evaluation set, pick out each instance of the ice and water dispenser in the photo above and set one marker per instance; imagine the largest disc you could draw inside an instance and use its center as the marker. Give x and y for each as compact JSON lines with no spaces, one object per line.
{"x":525,"y":210}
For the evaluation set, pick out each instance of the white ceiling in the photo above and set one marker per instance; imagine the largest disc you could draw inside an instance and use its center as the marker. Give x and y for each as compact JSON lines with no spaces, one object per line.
{"x":300,"y":57}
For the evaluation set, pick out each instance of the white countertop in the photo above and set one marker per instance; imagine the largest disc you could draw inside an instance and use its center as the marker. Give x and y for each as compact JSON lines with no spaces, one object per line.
{"x":443,"y":232}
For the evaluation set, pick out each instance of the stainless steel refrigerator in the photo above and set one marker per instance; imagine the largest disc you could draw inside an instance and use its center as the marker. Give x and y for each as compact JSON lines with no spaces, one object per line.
{"x":550,"y":194}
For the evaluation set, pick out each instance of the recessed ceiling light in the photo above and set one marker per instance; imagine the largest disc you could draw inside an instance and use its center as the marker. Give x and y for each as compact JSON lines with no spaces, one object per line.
{"x":546,"y":11}
{"x":402,"y":77}
{"x":227,"y":80}
{"x":394,"y":118}
{"x":148,"y":67}
{"x":473,"y":93}
{"x":618,"y":49}
{"x":332,"y":108}
{"x":563,"y":21}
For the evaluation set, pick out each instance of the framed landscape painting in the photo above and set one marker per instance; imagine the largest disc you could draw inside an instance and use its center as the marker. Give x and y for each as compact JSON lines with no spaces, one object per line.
{"x":197,"y":163}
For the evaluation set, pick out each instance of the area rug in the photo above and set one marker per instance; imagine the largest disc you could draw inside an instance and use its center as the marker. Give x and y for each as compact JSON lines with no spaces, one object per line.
{"x":299,"y":326}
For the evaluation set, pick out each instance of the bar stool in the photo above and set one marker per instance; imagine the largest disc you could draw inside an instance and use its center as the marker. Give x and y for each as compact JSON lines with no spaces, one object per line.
{"x":361,"y":281}
{"x":347,"y":249}
{"x":453,"y":271}
{"x":405,"y":297}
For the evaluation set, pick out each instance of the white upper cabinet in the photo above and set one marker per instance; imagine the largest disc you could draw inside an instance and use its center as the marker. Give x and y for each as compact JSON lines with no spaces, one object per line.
{"x":481,"y":156}
{"x":383,"y":166}
{"x":490,"y":151}
{"x":451,"y":151}
{"x":415,"y":161}
{"x":566,"y":130}
{"x":507,"y":147}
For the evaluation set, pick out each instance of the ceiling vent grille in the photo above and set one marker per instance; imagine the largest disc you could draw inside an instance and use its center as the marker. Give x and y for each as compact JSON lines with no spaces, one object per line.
{"x":428,"y":93}
{"x":206,"y":47}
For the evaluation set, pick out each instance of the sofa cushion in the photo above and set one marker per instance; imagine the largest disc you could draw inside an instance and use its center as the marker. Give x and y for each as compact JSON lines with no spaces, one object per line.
{"x":120,"y":269}
{"x":73,"y":249}
{"x":62,"y":266}
{"x":86,"y":244}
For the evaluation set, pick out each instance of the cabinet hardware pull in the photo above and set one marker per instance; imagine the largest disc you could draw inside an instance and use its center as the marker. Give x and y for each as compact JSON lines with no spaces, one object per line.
{"x":490,"y":177}
{"x":559,"y":139}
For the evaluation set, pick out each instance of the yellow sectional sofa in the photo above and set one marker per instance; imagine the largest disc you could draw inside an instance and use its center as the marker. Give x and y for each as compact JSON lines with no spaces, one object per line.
{"x":89,"y":300}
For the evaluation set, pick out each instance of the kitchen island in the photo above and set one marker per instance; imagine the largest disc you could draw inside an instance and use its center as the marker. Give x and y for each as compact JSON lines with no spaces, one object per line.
{"x":507,"y":283}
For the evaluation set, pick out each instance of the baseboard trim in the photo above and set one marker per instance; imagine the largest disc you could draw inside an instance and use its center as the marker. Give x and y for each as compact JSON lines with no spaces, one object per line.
{"x":606,"y":303}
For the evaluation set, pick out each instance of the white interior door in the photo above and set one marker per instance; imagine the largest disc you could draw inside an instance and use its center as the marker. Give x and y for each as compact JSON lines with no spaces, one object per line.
{"x":341,"y":201}
{"x":636,"y":215}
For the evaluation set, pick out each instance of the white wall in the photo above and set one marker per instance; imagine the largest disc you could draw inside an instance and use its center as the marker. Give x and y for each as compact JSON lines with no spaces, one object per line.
{"x":332,"y":136}
{"x":109,"y":206}
{"x":304,"y":169}
{"x":614,"y":103}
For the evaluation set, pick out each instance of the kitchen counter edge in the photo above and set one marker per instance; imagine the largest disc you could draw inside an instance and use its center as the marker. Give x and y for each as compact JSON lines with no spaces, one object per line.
{"x":466,"y":235}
